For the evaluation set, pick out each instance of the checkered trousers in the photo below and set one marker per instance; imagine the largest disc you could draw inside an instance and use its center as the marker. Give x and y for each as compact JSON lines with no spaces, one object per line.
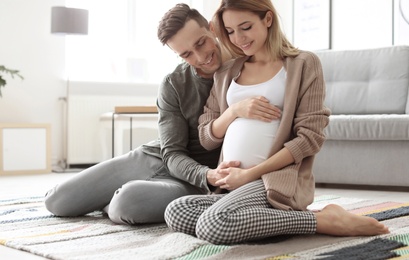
{"x":241,"y":215}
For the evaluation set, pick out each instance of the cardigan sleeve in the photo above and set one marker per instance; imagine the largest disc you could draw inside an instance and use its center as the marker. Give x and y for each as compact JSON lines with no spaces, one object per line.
{"x":311,"y":116}
{"x":211,"y":112}
{"x":217,"y":103}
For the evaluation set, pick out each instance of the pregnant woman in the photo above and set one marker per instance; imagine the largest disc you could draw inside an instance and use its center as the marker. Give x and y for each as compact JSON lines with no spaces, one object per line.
{"x":269,"y":194}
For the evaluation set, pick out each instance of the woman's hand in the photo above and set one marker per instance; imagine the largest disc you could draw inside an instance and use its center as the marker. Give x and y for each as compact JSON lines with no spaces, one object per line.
{"x":256,"y":108}
{"x":234,"y":178}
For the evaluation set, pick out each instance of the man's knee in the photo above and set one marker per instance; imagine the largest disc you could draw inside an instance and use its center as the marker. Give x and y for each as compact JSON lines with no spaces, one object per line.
{"x":58,"y":204}
{"x":134,"y":204}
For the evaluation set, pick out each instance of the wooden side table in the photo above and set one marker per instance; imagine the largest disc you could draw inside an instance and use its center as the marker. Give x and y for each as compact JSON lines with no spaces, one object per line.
{"x":129,"y":110}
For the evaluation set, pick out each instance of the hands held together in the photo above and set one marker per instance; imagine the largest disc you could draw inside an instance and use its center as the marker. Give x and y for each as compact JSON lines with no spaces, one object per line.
{"x":228,"y":176}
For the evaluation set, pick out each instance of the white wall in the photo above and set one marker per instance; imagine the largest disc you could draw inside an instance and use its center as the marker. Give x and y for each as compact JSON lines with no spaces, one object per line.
{"x":361,"y":24}
{"x":285,"y":12}
{"x":27,"y":45}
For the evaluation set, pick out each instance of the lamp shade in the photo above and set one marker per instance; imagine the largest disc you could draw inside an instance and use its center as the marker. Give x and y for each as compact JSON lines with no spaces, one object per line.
{"x":66,"y":20}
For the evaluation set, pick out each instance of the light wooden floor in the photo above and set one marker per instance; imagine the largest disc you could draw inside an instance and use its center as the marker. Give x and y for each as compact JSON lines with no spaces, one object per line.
{"x":38,"y":185}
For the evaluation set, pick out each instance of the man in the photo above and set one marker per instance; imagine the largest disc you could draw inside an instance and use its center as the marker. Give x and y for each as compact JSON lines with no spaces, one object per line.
{"x":135,"y":188}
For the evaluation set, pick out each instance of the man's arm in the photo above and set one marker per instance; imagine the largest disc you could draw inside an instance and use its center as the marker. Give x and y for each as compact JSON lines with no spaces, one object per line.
{"x":174,"y":137}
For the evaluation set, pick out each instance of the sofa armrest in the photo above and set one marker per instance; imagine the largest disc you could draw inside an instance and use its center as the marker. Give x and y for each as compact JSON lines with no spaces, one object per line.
{"x":368,"y":127}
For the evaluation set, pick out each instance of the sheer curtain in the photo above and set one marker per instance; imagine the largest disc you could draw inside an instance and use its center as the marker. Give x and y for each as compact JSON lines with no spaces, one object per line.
{"x":122,"y":45}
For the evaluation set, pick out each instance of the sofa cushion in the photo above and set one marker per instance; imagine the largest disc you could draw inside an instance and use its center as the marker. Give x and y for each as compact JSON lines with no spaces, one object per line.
{"x":370,"y":81}
{"x":368,"y":127}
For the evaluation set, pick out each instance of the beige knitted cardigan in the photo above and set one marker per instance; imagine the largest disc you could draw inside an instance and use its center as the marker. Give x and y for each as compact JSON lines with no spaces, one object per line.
{"x":303,"y":120}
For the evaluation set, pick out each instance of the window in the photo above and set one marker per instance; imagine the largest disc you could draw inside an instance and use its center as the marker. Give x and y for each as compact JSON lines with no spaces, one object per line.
{"x":121,"y":45}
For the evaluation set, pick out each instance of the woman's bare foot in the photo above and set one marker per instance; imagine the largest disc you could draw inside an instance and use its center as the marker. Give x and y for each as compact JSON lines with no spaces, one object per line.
{"x":336,"y":221}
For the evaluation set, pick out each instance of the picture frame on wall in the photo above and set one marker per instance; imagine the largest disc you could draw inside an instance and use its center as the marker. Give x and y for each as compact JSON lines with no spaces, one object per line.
{"x":312,"y":24}
{"x":25,"y":148}
{"x":401,"y":22}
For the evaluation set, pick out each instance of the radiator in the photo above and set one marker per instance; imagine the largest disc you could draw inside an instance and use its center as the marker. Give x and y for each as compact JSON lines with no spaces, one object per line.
{"x":89,"y":126}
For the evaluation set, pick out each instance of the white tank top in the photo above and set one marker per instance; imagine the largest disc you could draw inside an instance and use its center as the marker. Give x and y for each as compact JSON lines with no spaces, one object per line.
{"x":248,"y":140}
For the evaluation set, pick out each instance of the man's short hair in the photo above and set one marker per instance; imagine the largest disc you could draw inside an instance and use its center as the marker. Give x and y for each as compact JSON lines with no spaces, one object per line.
{"x":176,"y":18}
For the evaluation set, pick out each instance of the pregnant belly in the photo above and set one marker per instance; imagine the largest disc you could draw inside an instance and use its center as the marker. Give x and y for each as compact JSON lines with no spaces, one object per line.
{"x":249,"y":141}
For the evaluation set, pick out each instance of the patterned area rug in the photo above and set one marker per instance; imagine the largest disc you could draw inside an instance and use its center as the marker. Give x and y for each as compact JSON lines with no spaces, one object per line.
{"x":26,"y":225}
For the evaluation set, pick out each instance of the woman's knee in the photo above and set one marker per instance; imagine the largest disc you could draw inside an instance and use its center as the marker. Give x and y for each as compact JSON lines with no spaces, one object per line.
{"x":181,"y":215}
{"x":215,"y":228}
{"x":170,"y":215}
{"x":206,"y":228}
{"x":174,"y":214}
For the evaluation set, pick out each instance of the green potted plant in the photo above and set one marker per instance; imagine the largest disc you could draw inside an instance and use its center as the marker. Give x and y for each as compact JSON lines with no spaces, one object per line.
{"x":12,"y":73}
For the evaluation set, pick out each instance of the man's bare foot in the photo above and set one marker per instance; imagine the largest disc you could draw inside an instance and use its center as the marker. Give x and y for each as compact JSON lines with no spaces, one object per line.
{"x":336,"y":221}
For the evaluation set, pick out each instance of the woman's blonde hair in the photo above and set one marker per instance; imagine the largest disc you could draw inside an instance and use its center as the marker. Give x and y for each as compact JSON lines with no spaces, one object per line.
{"x":277,"y":43}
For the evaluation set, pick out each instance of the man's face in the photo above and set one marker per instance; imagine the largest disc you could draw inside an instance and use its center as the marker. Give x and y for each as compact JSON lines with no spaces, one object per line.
{"x":198,"y":47}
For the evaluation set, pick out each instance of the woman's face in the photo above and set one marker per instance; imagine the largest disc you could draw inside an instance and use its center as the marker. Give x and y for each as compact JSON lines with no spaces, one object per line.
{"x":246,"y":30}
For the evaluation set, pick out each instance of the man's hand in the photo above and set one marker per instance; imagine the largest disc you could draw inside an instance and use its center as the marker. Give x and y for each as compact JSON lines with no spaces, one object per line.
{"x":217,"y":174}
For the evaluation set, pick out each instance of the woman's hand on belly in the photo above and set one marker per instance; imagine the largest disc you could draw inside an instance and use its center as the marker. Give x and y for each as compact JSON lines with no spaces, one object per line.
{"x":258,"y":108}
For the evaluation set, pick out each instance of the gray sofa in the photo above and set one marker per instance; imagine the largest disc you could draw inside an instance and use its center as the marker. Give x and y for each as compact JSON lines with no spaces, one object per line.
{"x":368,"y":134}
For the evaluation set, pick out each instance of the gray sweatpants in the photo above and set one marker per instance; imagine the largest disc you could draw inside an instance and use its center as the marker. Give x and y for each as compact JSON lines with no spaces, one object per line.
{"x":134,"y":188}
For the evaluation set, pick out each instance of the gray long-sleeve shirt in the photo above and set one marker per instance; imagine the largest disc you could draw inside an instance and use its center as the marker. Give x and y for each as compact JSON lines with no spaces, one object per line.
{"x":181,"y":98}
